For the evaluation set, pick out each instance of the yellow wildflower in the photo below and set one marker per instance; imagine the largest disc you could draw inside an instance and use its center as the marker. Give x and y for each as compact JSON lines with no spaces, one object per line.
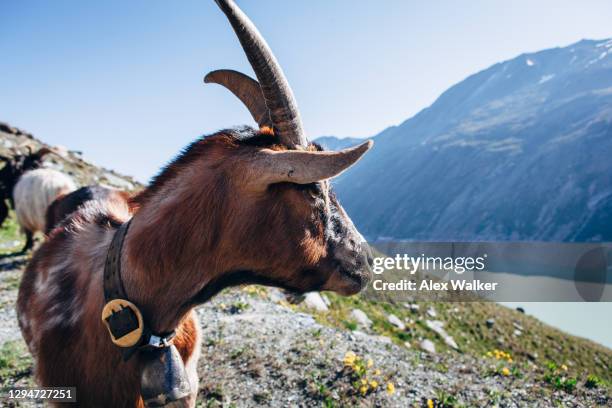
{"x":363,"y":389}
{"x":364,"y":381}
{"x":564,"y":367}
{"x":505,"y":371}
{"x":377,"y":372}
{"x":374,"y":384}
{"x":349,"y":358}
{"x":430,"y":404}
{"x":370,"y":363}
{"x":390,"y":388}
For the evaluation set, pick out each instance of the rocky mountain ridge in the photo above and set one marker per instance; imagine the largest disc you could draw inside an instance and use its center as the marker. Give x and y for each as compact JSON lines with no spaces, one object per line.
{"x":518,"y":151}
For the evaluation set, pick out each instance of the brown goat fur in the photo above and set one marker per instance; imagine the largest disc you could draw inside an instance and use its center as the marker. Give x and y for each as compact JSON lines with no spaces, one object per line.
{"x":196,"y":230}
{"x":66,"y":204}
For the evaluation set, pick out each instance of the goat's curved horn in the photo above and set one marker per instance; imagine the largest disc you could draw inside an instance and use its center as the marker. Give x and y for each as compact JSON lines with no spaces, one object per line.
{"x":246,"y":89}
{"x":303,"y":167}
{"x":43,"y":151}
{"x":274,"y":86}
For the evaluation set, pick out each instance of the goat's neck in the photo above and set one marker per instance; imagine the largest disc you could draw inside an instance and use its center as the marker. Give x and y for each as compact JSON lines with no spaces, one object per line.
{"x":170,"y":254}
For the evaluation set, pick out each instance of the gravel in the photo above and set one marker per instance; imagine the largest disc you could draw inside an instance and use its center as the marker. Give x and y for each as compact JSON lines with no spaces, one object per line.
{"x":259,"y":352}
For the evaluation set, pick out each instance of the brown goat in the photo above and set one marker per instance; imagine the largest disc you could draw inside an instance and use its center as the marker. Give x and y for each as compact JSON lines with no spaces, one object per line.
{"x":66,"y":204}
{"x":237,"y":207}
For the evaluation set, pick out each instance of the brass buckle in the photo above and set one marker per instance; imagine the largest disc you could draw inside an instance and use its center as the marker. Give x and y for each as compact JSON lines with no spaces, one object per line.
{"x":131,"y":338}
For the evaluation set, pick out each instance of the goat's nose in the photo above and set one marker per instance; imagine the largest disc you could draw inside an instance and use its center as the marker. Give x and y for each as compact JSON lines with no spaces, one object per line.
{"x":370,"y":258}
{"x":366,"y":253}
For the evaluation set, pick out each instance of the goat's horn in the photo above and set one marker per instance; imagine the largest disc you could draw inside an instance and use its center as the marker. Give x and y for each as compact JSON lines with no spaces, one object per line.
{"x":274,"y":86}
{"x":44,"y":151}
{"x":304,"y":167}
{"x":246,"y":89}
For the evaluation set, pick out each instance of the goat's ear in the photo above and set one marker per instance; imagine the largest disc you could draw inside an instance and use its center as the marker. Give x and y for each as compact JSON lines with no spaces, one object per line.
{"x":300,"y":166}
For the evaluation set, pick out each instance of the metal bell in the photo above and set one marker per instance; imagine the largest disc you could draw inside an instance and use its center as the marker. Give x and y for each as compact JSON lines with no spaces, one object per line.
{"x":163,"y":378}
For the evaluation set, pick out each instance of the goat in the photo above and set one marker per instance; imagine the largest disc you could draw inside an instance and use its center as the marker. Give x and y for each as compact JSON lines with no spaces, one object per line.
{"x":33,"y":194}
{"x":65,"y":205}
{"x":243,"y":206}
{"x":15,"y":167}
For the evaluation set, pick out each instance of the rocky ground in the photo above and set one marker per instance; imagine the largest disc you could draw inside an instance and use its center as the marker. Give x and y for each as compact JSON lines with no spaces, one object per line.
{"x":258,"y":350}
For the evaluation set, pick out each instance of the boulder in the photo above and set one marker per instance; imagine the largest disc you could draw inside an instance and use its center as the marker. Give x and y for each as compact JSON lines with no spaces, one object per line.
{"x":394,"y":320}
{"x":412,"y":306}
{"x":438,"y":327}
{"x":314,"y":300}
{"x":361,"y":318}
{"x":428,"y":346}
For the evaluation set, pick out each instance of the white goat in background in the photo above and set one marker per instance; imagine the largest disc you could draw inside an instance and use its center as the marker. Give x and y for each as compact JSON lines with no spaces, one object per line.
{"x":33,"y":194}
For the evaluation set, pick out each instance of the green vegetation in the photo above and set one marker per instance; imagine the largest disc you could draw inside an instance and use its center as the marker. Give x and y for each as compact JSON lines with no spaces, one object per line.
{"x":594,"y":381}
{"x":358,"y":379}
{"x":559,"y":378}
{"x":10,"y":282}
{"x":537,"y":343}
{"x":11,"y":238}
{"x":15,"y":361}
{"x":445,"y":400}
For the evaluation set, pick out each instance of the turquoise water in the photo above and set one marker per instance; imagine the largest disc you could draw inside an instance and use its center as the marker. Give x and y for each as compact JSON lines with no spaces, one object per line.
{"x":589,"y":320}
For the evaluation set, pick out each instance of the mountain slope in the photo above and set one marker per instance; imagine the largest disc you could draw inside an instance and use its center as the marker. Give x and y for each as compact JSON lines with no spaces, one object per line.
{"x":336,"y":143}
{"x":517,"y":151}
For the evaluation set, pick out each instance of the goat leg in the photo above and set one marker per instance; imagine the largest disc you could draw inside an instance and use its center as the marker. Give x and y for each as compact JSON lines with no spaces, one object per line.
{"x":29,"y":241}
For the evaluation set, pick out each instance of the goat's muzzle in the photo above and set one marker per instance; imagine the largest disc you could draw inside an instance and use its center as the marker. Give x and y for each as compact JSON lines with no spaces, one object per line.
{"x":354,"y":268}
{"x":164,"y":379}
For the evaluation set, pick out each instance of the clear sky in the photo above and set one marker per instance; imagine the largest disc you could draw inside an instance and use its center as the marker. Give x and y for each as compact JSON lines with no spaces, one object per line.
{"x":122,"y":80}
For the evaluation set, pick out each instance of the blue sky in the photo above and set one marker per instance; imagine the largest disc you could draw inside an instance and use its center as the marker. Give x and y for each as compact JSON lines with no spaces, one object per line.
{"x":122,"y":81}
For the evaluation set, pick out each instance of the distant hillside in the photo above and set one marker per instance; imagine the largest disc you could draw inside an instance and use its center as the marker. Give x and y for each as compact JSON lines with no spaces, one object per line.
{"x":70,"y":162}
{"x":336,"y":143}
{"x":519,"y":151}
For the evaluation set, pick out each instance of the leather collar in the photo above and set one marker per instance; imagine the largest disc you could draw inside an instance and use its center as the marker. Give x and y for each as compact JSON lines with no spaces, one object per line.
{"x":123,"y":319}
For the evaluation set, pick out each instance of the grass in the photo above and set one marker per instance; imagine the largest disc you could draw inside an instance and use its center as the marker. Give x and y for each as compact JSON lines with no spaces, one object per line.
{"x":465,"y":322}
{"x":15,"y":361}
{"x":594,"y":381}
{"x":11,"y":238}
{"x":10,"y":282}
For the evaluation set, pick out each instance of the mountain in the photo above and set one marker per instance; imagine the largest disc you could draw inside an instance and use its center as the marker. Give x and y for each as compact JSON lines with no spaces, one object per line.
{"x":337,"y":143}
{"x":519,"y":151}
